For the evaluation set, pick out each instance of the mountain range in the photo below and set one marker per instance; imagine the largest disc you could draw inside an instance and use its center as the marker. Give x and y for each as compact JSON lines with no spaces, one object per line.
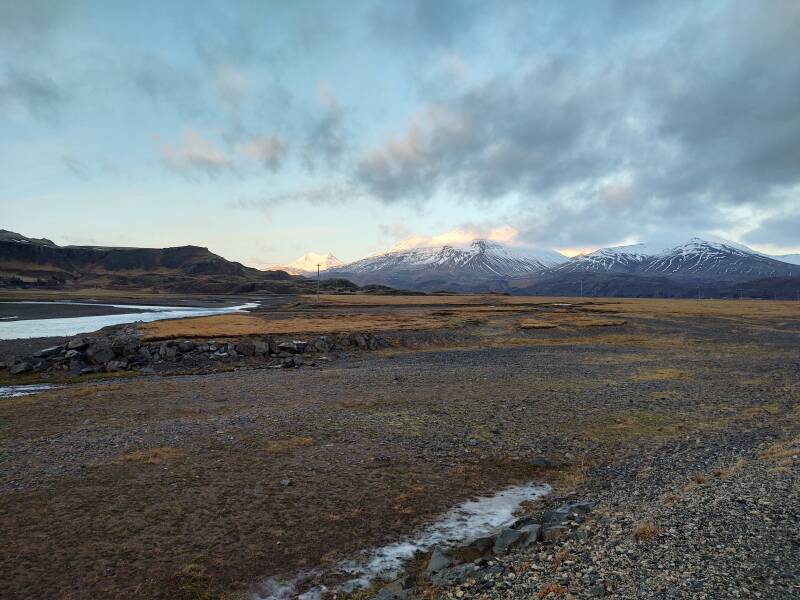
{"x":720,"y":267}
{"x":39,"y":263}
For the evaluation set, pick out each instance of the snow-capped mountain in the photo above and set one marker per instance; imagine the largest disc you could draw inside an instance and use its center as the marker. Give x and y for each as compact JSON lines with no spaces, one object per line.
{"x":307,"y":264}
{"x":716,"y":259}
{"x":420,"y":268}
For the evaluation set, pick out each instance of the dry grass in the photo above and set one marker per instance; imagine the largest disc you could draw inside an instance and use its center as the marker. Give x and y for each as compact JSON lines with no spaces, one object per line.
{"x":659,"y":374}
{"x":536,"y":324}
{"x":756,"y":309}
{"x":645,"y":530}
{"x":154,"y":456}
{"x":228,"y":326}
{"x":552,"y":589}
{"x":699,"y":478}
{"x":728,"y":471}
{"x":782,"y":454}
{"x":558,"y":560}
{"x":550,"y":320}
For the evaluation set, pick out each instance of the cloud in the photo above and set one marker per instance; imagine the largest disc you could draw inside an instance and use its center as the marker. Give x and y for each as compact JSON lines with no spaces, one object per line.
{"x":317,"y":195}
{"x":326,"y":137}
{"x":196,"y":153}
{"x":270,"y":151}
{"x":664,"y":131}
{"x":463,"y":235}
{"x":37,"y":95}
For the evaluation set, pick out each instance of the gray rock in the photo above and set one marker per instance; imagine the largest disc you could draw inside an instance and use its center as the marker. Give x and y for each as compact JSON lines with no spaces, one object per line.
{"x":115,"y":366}
{"x":286,"y":482}
{"x":508,"y":539}
{"x":597,"y":591}
{"x":359,"y":341}
{"x":44,"y":353}
{"x":555,"y":533}
{"x":393,"y":591}
{"x":186,"y":346}
{"x":20,"y":367}
{"x":246,"y":347}
{"x":88,"y":370}
{"x":125,"y":345}
{"x":440,"y":559}
{"x":78,"y":343}
{"x":533,"y":533}
{"x":76,"y":365}
{"x":287,"y":347}
{"x":321,"y":344}
{"x":100,"y":352}
{"x":453,"y":575}
{"x":73,"y":354}
{"x":300,"y":345}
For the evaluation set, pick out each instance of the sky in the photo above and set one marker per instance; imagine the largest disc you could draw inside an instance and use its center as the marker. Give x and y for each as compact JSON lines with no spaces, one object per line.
{"x":266,"y":130}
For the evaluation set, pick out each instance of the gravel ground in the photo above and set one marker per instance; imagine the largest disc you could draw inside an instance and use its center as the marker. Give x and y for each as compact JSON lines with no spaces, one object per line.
{"x":172,"y":487}
{"x":715,"y":519}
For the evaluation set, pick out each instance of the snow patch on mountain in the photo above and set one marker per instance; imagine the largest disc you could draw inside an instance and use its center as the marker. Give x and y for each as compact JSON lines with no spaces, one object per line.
{"x":478,"y":258}
{"x":307,"y":264}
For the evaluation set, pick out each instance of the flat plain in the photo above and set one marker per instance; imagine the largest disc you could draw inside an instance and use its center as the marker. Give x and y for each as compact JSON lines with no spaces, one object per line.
{"x":204,"y":485}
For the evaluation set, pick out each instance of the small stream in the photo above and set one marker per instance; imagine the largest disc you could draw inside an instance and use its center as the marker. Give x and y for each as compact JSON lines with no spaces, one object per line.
{"x":467,"y":521}
{"x":12,"y":391}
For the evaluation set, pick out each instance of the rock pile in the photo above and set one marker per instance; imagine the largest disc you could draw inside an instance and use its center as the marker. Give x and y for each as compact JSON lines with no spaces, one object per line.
{"x":123,"y":350}
{"x":478,"y":562}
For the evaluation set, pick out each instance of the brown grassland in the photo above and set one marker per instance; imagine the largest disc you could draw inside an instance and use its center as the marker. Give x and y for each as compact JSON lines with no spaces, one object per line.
{"x":202,"y":486}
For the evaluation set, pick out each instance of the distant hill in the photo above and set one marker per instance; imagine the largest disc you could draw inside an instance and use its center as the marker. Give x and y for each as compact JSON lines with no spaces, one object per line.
{"x":29,"y":262}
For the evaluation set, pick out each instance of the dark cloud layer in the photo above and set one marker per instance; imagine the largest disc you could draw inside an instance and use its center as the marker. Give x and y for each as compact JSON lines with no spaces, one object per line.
{"x":679,"y":120}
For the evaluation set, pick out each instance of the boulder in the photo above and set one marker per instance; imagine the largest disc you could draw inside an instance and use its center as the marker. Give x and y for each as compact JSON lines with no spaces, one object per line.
{"x":246,"y":347}
{"x":20,"y":367}
{"x":440,"y":559}
{"x":359,"y":341}
{"x":507,"y":540}
{"x":100,"y":352}
{"x":125,"y":345}
{"x":51,"y":351}
{"x":76,"y":365}
{"x":260,"y":348}
{"x":186,"y":346}
{"x":320,"y":344}
{"x":115,"y":366}
{"x":78,"y":343}
{"x":70,"y":354}
{"x":300,"y":345}
{"x":453,"y":575}
{"x":400,"y":589}
{"x":475,"y":549}
{"x":287,"y":347}
{"x":533,"y":533}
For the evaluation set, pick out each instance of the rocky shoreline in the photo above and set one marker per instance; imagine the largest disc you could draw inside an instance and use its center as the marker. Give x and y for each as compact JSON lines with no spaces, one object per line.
{"x":120,"y":349}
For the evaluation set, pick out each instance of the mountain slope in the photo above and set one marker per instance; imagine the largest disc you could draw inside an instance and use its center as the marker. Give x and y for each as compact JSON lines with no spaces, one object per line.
{"x":441,"y":266}
{"x":27,"y":262}
{"x":307,"y":264}
{"x":697,"y":258}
